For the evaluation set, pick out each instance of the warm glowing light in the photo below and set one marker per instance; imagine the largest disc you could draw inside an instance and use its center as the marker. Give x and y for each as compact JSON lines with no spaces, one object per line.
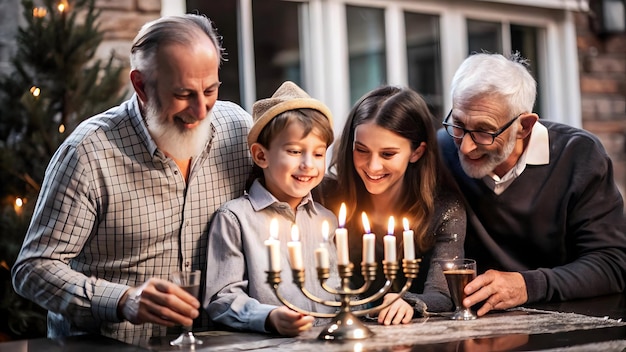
{"x":62,"y":6}
{"x":61,"y":128}
{"x":325,"y":230}
{"x":274,"y":229}
{"x":391,"y":225}
{"x":342,"y":215}
{"x":405,"y":223}
{"x":366,"y":223}
{"x":39,"y":12}
{"x":295,"y":233}
{"x":18,"y":204}
{"x":35,"y":91}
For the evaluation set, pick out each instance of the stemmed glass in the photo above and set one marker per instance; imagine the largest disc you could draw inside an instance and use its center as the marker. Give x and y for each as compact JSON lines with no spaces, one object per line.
{"x":458,"y":273}
{"x":190,"y":282}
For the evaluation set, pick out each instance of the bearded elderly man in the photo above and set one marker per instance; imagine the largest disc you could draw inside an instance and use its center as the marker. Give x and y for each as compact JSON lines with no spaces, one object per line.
{"x":544,"y":213}
{"x":128,"y":196}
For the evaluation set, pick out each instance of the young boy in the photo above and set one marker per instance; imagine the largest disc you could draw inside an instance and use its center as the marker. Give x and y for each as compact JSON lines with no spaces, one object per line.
{"x":288,"y":143}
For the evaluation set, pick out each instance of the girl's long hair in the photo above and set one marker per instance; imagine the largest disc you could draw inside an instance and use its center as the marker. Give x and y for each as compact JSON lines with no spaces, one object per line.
{"x":404,"y":112}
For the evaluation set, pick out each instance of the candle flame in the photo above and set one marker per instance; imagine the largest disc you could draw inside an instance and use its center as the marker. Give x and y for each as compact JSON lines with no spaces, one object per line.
{"x":295,"y":233}
{"x":342,"y":215}
{"x":274,"y":229}
{"x":325,"y":230}
{"x":405,"y":222}
{"x":366,"y":223}
{"x":391,"y":226}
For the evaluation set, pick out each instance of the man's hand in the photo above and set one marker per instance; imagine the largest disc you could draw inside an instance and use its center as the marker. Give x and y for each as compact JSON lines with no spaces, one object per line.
{"x":399,"y":312}
{"x":287,"y":322}
{"x":500,"y":290}
{"x":159,"y":301}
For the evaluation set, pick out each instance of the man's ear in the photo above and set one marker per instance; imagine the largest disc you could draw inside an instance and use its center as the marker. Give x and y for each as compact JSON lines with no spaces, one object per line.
{"x":528,"y":121}
{"x":259,"y":155}
{"x":418,"y":152}
{"x":136,"y":78}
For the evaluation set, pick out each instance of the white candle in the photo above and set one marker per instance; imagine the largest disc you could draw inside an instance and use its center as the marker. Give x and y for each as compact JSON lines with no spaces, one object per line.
{"x":390,"y":242}
{"x":295,"y":249}
{"x":407,"y":239}
{"x":322,"y":259}
{"x":341,"y":236}
{"x":273,"y":246}
{"x":369,"y":241}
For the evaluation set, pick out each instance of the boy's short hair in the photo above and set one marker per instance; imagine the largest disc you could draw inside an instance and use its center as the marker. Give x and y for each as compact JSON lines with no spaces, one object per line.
{"x":287,"y":97}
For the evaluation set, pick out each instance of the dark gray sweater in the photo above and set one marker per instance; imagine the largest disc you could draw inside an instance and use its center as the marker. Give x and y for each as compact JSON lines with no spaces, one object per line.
{"x":560,"y":225}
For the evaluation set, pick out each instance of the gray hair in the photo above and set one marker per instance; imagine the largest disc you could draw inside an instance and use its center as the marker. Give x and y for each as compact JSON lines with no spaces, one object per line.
{"x":486,"y":74}
{"x":169,"y":30}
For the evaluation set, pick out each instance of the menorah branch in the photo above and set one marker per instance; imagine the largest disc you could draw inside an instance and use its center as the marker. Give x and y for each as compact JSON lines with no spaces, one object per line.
{"x":345,"y":324}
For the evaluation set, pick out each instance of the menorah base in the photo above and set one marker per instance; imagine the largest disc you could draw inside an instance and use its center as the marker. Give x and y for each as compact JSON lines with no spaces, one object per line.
{"x":346,"y":326}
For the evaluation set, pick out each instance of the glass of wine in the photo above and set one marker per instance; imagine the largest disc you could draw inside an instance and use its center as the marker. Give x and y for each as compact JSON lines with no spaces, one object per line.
{"x":190,"y":282}
{"x":458,"y":273}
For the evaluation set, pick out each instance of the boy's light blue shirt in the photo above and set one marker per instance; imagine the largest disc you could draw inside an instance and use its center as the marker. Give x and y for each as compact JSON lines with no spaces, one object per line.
{"x":237,"y":292}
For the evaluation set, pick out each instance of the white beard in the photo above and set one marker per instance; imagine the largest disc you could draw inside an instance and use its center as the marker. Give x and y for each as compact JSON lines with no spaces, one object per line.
{"x":175,"y":142}
{"x":492,"y":160}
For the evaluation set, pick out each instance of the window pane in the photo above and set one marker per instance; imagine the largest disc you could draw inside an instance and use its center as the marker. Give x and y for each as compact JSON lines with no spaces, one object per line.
{"x":524,"y":40}
{"x":224,"y":16}
{"x":276,"y":44}
{"x":366,"y":49}
{"x":424,"y":58}
{"x":484,"y":36}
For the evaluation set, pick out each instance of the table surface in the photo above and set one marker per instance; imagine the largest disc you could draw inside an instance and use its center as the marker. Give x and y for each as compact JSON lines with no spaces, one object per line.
{"x":607,"y":332}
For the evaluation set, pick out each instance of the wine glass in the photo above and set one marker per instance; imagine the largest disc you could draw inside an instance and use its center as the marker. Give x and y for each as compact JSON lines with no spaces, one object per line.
{"x":190,"y":282}
{"x":458,"y":273}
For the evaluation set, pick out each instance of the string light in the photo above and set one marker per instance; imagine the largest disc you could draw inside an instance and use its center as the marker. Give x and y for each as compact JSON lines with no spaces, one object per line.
{"x":62,"y":6}
{"x":39,"y":12}
{"x":61,"y":128}
{"x":18,"y":204}
{"x":35,"y":91}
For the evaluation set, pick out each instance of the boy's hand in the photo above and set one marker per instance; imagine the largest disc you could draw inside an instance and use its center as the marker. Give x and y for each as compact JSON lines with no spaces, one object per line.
{"x":289,"y":323}
{"x":399,"y":312}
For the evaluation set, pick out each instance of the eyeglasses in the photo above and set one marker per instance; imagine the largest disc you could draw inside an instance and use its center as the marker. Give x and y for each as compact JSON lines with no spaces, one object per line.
{"x":479,"y":137}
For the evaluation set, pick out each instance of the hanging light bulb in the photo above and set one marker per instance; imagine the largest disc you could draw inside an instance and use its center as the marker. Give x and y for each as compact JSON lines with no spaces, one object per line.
{"x":61,"y":128}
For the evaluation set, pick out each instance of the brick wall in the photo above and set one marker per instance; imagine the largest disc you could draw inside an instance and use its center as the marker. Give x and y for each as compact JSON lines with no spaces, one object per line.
{"x":10,"y":15}
{"x":120,"y":20}
{"x":602,"y":69}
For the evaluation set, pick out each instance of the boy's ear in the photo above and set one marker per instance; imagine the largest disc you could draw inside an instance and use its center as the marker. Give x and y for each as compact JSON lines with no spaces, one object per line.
{"x":259,"y":155}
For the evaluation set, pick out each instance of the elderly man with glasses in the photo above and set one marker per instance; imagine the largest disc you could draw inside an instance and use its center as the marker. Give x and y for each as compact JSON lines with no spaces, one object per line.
{"x":545,"y":217}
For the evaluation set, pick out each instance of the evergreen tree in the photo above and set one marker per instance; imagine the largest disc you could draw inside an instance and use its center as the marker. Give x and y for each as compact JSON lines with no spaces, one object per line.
{"x":55,"y":83}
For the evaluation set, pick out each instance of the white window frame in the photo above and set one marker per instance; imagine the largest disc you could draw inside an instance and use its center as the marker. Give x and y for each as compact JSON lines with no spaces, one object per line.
{"x":325,"y":50}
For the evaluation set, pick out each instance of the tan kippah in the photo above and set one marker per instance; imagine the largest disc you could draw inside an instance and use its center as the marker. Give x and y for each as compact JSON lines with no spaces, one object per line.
{"x":287,"y":97}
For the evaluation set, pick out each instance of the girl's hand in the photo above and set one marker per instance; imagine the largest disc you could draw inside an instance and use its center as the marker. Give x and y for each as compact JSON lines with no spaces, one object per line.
{"x":399,"y":312}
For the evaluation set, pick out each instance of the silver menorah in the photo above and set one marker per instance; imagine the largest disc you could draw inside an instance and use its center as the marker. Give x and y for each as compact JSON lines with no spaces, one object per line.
{"x":345,"y":325}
